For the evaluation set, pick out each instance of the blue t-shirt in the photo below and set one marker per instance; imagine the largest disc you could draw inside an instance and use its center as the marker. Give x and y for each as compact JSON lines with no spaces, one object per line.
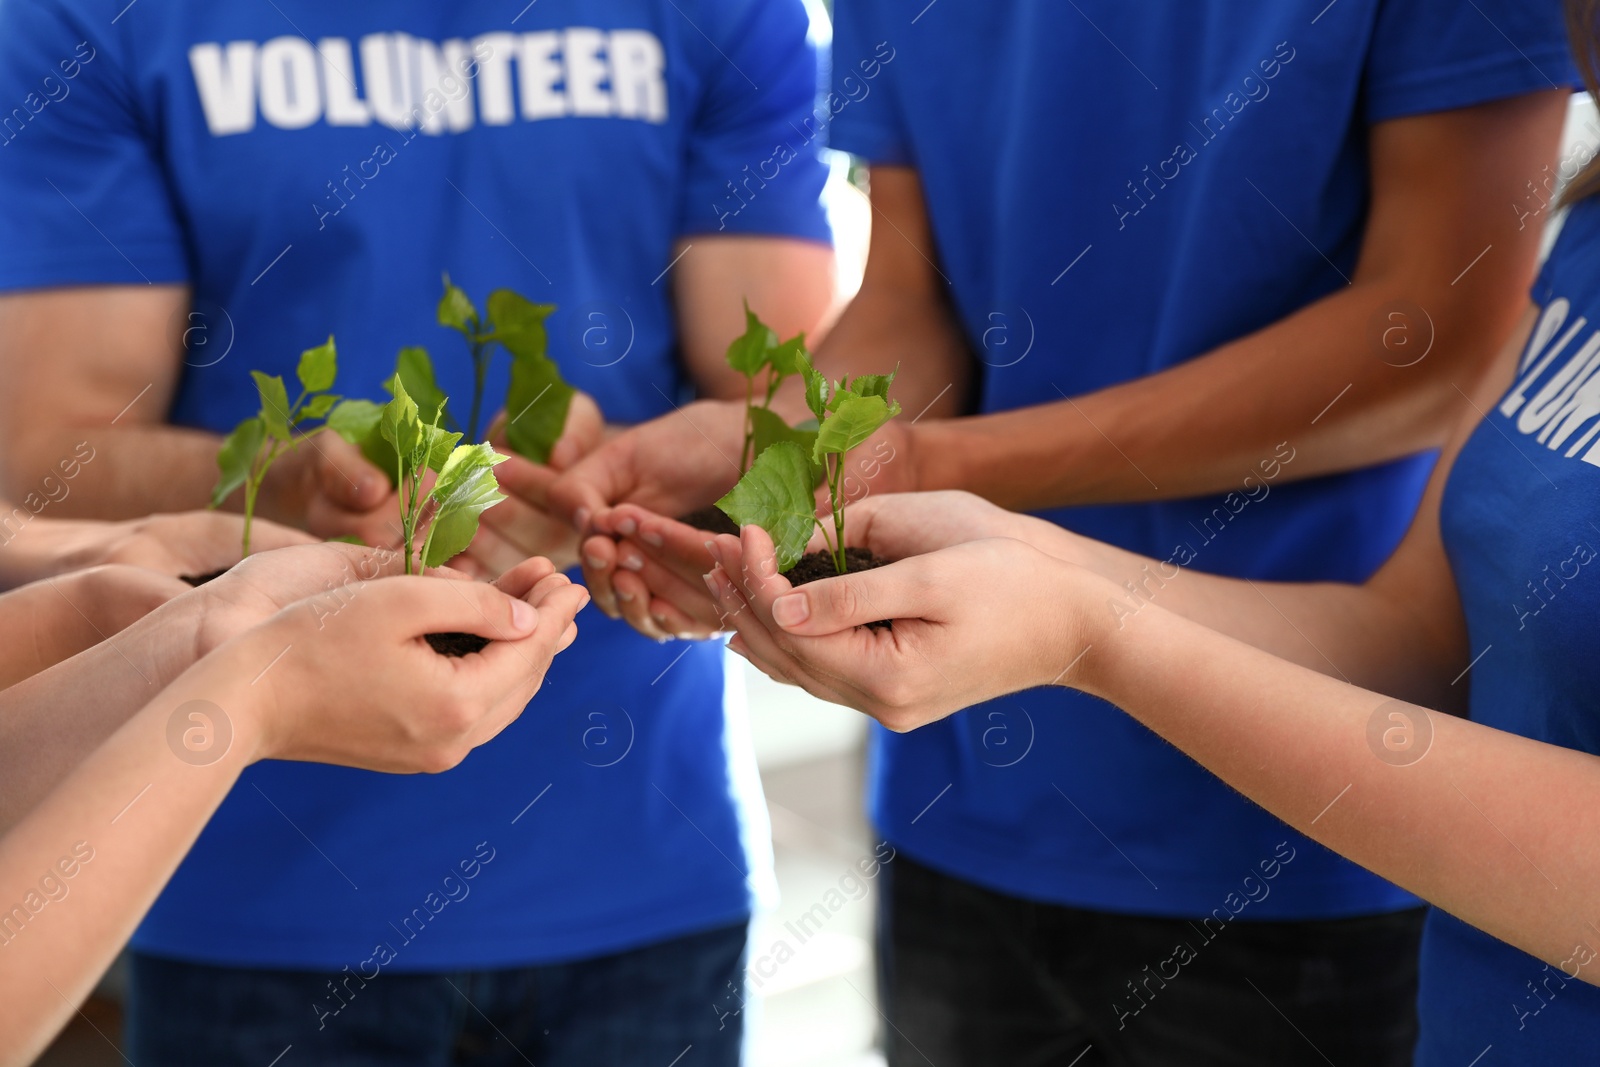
{"x":1519,"y":520}
{"x":1114,"y":190}
{"x":271,"y":156}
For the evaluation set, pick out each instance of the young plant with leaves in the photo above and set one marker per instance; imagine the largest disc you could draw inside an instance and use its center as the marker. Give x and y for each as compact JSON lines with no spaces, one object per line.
{"x":256,"y":443}
{"x":464,"y":489}
{"x":778,"y":492}
{"x":537,"y":398}
{"x":757,"y":354}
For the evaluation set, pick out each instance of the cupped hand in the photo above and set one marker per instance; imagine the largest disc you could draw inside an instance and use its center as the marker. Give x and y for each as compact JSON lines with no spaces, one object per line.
{"x":326,"y":485}
{"x":972,"y":622}
{"x":521,"y":525}
{"x":189,"y":543}
{"x":364,"y":689}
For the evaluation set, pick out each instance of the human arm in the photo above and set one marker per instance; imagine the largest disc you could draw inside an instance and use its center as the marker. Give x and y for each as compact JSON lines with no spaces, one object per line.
{"x":1440,"y":184}
{"x":122,"y":820}
{"x":92,"y":372}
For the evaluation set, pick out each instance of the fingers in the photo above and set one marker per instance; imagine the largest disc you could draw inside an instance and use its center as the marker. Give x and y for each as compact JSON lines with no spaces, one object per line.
{"x":599,"y":558}
{"x":832,"y":605}
{"x":525,"y":480}
{"x":408,"y":607}
{"x":675,"y":545}
{"x":756,"y":642}
{"x":677,"y":606}
{"x":520,"y":580}
{"x":585,"y":429}
{"x":266,"y":535}
{"x":594,"y":483}
{"x":345,"y":477}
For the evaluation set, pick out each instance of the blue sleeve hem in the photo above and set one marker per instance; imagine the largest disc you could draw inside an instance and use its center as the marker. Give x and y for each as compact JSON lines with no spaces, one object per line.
{"x":1471,"y":83}
{"x":873,"y":143}
{"x":135,"y":265}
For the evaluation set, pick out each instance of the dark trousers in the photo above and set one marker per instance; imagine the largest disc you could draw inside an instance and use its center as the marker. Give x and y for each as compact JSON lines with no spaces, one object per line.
{"x":973,"y":978}
{"x":666,"y":1003}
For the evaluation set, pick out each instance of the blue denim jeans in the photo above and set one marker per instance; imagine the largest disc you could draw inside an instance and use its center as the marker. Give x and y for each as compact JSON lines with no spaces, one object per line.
{"x":666,"y":1003}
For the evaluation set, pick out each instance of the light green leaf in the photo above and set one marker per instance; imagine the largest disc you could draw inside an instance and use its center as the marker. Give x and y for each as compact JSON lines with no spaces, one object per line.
{"x":777,"y":494}
{"x":415,"y":370}
{"x":456,"y":311}
{"x":437,"y":444}
{"x":857,"y":418}
{"x":318,"y":367}
{"x":536,"y":407}
{"x":401,"y":427}
{"x":465,"y":490}
{"x":274,"y":404}
{"x":238,"y":451}
{"x":874,"y":384}
{"x":519,"y":324}
{"x":319,"y":406}
{"x":816,"y":390}
{"x":791,"y":356}
{"x":770,"y":429}
{"x":358,"y":421}
{"x":751,"y":350}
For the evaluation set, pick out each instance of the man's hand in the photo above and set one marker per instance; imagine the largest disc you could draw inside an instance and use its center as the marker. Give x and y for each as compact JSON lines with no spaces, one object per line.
{"x":520,"y":526}
{"x":325,"y":485}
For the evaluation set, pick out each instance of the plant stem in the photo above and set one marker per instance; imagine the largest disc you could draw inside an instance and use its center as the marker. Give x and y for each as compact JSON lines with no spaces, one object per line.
{"x":835,"y":476}
{"x":745,"y":458}
{"x":480,"y":367}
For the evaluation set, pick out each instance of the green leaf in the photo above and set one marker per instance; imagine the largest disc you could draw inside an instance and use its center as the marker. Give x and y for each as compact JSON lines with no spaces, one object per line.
{"x":415,"y":371}
{"x":401,"y":427}
{"x":238,"y":451}
{"x":319,"y":406}
{"x":318,"y":367}
{"x":777,"y":494}
{"x":770,"y":429}
{"x":751,"y":350}
{"x":874,"y":384}
{"x":791,"y":357}
{"x":274,"y":404}
{"x":436,"y":445}
{"x":456,"y":311}
{"x":856,"y":419}
{"x":358,"y":421}
{"x":465,"y":490}
{"x":519,"y":324}
{"x":816,"y":392}
{"x":536,"y":407}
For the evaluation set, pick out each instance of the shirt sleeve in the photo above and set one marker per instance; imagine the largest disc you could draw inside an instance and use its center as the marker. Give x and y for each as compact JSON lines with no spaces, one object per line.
{"x":1434,"y":55}
{"x":755,"y":161}
{"x":80,"y":176}
{"x":863,"y":105}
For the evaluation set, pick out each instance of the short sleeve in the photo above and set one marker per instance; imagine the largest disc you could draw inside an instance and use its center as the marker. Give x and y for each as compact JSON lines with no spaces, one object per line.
{"x":863,"y":105}
{"x":80,"y":176}
{"x":755,"y":161}
{"x":1434,"y":55}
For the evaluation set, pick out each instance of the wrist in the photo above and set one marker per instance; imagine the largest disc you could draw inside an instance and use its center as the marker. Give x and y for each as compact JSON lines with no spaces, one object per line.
{"x":1089,"y":649}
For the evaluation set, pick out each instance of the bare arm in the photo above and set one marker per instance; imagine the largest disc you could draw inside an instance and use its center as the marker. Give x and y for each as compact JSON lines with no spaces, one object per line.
{"x":1440,"y":186}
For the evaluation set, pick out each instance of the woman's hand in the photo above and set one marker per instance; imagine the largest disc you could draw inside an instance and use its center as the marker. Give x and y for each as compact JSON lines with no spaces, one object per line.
{"x":971,"y":622}
{"x":361,"y":687}
{"x":191,"y":543}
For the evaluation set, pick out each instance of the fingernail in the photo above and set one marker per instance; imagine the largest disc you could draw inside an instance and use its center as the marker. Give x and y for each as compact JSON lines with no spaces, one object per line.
{"x":631,"y":563}
{"x":580,"y":519}
{"x":661,"y":621}
{"x":651,"y":538}
{"x":586,"y":600}
{"x":523,"y":617}
{"x":626,"y":527}
{"x":594,"y":563}
{"x":791,"y":610}
{"x":626,"y":598}
{"x":714,"y":551}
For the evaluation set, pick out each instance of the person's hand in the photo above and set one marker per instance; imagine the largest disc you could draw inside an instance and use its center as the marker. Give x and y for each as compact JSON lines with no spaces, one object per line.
{"x":971,"y":622}
{"x":327,"y":486}
{"x":520,"y":526}
{"x":659,"y":563}
{"x":190,"y":543}
{"x":364,"y":689}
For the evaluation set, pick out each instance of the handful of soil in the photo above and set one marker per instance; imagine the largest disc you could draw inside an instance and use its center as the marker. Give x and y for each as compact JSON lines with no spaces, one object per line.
{"x":201,"y":579}
{"x":456,"y":645}
{"x":815,"y":566}
{"x":711,"y":520}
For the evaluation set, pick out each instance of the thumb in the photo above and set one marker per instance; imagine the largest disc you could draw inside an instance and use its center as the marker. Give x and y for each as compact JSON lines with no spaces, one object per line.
{"x":832,"y":605}
{"x":583,"y":433}
{"x":345,"y":476}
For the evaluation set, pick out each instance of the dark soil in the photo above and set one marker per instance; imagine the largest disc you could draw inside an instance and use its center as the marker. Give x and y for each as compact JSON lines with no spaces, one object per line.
{"x":815,"y":566}
{"x":710,"y":519}
{"x":456,"y":644}
{"x":202,"y":579}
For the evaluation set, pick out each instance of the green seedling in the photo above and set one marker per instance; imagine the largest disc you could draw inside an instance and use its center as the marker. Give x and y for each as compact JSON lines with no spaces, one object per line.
{"x":537,"y":398}
{"x":464,"y":489}
{"x":757,"y":354}
{"x":256,"y":443}
{"x":778,"y":492}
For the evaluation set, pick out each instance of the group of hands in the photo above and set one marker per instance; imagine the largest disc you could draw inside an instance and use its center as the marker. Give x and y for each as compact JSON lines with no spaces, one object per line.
{"x":983,"y":600}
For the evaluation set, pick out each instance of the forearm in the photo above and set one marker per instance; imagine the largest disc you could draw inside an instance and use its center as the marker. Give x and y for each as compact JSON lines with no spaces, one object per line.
{"x":42,"y":624}
{"x":51,"y":720}
{"x":97,"y":851}
{"x":107,"y":473}
{"x":1310,"y":750}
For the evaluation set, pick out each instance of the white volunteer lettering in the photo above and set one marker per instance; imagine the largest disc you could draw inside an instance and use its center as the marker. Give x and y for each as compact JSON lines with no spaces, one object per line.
{"x":344,"y":105}
{"x":290,"y":98}
{"x":226,"y":81}
{"x":638,"y":80}
{"x":538,"y":71}
{"x":1548,"y":400}
{"x":385,"y":71}
{"x":402,"y":81}
{"x":494,"y":50}
{"x":1554,"y":315}
{"x":1567,"y":399}
{"x":586,"y":69}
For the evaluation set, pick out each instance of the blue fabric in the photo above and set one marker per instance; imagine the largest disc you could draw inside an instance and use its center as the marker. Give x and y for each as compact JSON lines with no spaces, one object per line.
{"x":294,"y":211}
{"x":1115,"y":188}
{"x":632,"y":1009}
{"x":1519,"y":522}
